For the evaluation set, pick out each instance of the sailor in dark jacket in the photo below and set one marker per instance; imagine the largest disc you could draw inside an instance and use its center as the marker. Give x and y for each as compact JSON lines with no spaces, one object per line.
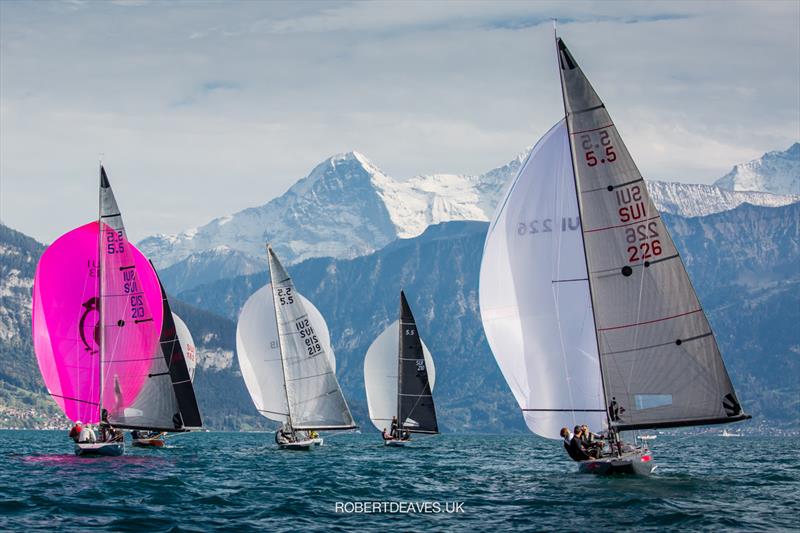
{"x":572,"y":443}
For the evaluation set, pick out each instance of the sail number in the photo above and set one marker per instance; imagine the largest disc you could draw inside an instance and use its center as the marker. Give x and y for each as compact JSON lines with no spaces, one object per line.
{"x":598,"y":151}
{"x":285,"y":296}
{"x":137,"y":306}
{"x":642,"y":237}
{"x":115,"y":242}
{"x":546,"y":225}
{"x":303,"y":327}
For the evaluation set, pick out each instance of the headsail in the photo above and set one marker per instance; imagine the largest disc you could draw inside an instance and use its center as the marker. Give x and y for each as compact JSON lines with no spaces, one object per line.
{"x":380,"y":375}
{"x":93,"y":302}
{"x":258,"y":351}
{"x":660,"y":363}
{"x":534,"y":295}
{"x":315,"y":400}
{"x":415,"y":410}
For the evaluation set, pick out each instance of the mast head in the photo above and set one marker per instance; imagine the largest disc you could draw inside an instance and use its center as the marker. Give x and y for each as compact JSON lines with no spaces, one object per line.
{"x":103,"y":178}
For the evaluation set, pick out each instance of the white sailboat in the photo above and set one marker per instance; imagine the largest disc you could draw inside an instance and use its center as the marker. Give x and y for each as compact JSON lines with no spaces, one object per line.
{"x":287,"y":362}
{"x":585,"y":301}
{"x":399,"y":376}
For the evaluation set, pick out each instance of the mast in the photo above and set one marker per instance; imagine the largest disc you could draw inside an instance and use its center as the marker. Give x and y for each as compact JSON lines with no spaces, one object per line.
{"x":280,"y":337}
{"x":583,"y":237}
{"x":100,"y":273}
{"x":399,"y":363}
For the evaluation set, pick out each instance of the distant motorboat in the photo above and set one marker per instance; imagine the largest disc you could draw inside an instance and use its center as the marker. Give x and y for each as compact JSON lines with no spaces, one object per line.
{"x":726,"y":433}
{"x":648,"y":437}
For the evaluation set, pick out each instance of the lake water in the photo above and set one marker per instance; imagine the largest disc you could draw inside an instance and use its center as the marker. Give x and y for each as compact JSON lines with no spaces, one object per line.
{"x":241,"y":482}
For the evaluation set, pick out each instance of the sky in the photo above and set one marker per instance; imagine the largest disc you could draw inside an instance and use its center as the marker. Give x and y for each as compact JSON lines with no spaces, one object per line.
{"x":203,"y":108}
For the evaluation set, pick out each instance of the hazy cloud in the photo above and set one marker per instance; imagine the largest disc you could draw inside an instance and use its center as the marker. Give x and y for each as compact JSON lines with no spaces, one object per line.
{"x":202,"y":108}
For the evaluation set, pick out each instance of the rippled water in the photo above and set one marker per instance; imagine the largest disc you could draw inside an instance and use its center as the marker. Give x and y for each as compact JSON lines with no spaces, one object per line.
{"x":241,"y":482}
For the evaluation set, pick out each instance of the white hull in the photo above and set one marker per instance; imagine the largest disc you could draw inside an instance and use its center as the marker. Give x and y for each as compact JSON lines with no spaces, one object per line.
{"x":319,"y":441}
{"x":298,"y":445}
{"x":396,"y":443}
{"x":112,"y":449}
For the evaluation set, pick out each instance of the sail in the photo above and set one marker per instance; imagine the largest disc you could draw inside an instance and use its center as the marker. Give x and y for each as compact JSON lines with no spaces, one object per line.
{"x":259,"y":353}
{"x":187,"y":345}
{"x":416,"y":411}
{"x":66,"y":325}
{"x":380,"y":375}
{"x":660,"y":363}
{"x":130,"y":310}
{"x":315,"y":399}
{"x":534,"y":295}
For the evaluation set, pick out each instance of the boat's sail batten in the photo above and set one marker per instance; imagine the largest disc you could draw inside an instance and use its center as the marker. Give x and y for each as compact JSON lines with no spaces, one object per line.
{"x":415,"y":408}
{"x":534,"y":294}
{"x":314,"y":398}
{"x":660,"y":363}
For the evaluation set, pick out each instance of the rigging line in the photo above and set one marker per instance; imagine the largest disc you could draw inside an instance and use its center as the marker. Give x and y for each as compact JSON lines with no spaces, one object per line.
{"x":569,"y":280}
{"x":568,"y":410}
{"x":73,"y":399}
{"x":696,"y":337}
{"x":650,"y":321}
{"x":311,"y":377}
{"x":588,"y":109}
{"x":612,"y":187}
{"x":593,"y":129}
{"x":622,"y":225}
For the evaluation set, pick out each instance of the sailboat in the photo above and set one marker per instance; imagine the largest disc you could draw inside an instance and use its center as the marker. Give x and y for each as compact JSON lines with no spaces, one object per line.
{"x":167,"y":402}
{"x":96,"y":324}
{"x":584,"y":299}
{"x":288,"y":365}
{"x":399,"y":376}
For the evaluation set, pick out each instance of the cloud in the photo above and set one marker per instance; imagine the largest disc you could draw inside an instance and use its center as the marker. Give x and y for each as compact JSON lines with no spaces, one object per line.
{"x":235,"y":101}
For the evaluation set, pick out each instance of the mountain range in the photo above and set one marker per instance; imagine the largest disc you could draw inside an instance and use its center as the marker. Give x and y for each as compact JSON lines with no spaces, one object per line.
{"x":743,"y":260}
{"x":347,"y":207}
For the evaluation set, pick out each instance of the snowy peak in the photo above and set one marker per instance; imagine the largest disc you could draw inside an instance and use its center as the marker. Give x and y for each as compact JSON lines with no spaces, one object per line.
{"x":776,"y":172}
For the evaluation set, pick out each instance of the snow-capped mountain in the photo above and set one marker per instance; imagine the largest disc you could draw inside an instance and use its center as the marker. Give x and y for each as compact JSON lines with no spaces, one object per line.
{"x":347,"y":207}
{"x":776,"y":172}
{"x":696,"y":200}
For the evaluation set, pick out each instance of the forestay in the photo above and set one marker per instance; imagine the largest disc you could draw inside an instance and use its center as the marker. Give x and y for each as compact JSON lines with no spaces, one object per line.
{"x":534,"y":294}
{"x":313,"y":394}
{"x":258,"y":351}
{"x":660,"y":362}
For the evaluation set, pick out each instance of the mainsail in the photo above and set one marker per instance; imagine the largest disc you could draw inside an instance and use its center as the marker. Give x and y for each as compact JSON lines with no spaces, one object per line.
{"x":585,"y":301}
{"x":415,"y":411}
{"x":314,"y":398}
{"x":96,"y":317}
{"x":258,"y":351}
{"x":167,"y":402}
{"x":381,"y":378}
{"x":660,"y":363}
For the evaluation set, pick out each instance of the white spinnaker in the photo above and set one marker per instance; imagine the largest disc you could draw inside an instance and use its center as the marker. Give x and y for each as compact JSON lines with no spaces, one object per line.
{"x":534,"y":295}
{"x":187,"y":344}
{"x":259,"y":354}
{"x":380,"y":375}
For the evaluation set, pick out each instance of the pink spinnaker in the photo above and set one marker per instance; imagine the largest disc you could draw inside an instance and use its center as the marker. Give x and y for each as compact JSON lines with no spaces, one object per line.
{"x":67,"y":306}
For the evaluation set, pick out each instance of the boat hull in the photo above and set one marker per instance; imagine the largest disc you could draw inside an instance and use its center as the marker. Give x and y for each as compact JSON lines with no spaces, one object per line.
{"x":301,"y":445}
{"x":319,"y":441}
{"x":149,"y":443}
{"x":640,"y":464}
{"x":108,"y":449}
{"x":396,"y":443}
